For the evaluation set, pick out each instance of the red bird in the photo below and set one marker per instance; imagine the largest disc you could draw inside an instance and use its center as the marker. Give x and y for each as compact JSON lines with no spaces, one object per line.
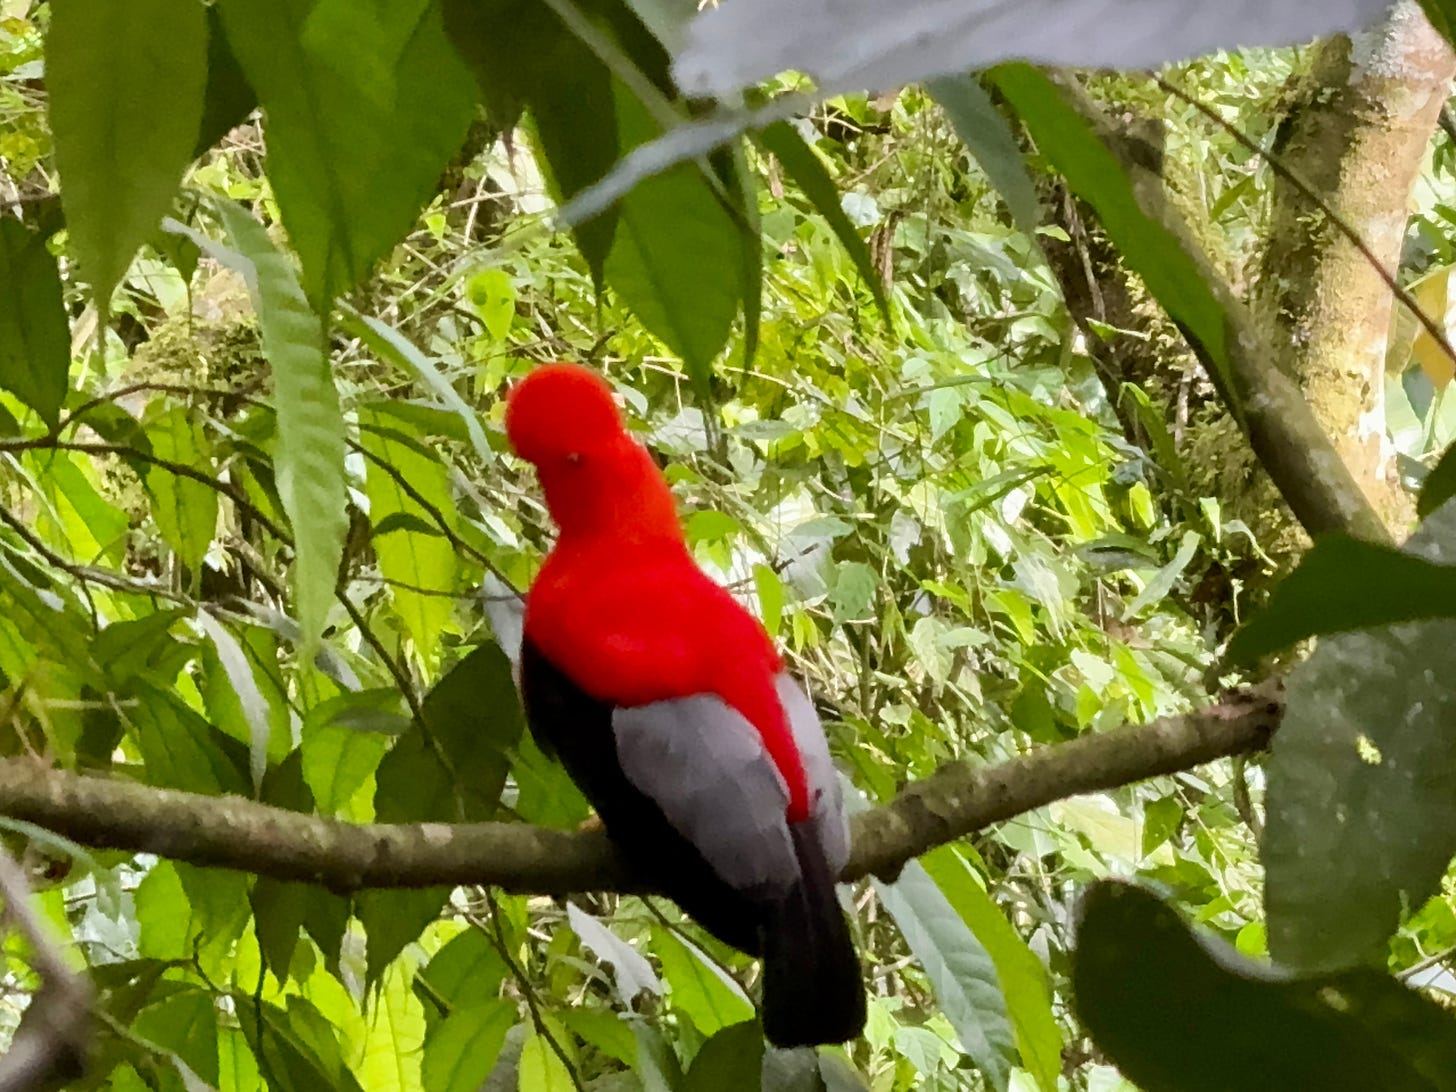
{"x":670,"y":708}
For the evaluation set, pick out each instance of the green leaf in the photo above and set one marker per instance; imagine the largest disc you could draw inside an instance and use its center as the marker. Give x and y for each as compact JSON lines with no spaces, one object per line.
{"x":254,"y":707}
{"x":184,"y":1023}
{"x":185,"y":509}
{"x":1020,"y":973}
{"x":364,"y":109}
{"x":1344,"y":584}
{"x":1180,"y":1014}
{"x":783,"y":141}
{"x":1361,"y":804}
{"x":229,"y":98}
{"x":279,"y":908}
{"x":465,"y":973}
{"x":675,"y":260}
{"x":414,"y":564}
{"x":183,"y":751}
{"x":1440,"y":484}
{"x":731,"y":1061}
{"x":993,"y":145}
{"x":698,"y":987}
{"x":1095,"y":175}
{"x":344,"y":740}
{"x":493,"y":295}
{"x":35,"y":334}
{"x":1161,"y":584}
{"x":290,"y":1061}
{"x":462,"y":1050}
{"x":393,"y":1044}
{"x":125,"y":82}
{"x":310,"y":456}
{"x":541,"y":1068}
{"x":960,"y":970}
{"x":452,"y":768}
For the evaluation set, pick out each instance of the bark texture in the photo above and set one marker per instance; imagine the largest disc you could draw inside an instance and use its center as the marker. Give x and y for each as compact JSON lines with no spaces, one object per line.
{"x":1356,"y":134}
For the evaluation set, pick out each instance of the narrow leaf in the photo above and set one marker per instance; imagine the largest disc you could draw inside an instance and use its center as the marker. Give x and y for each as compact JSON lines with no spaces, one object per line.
{"x":990,"y":141}
{"x":960,"y":970}
{"x":811,"y":176}
{"x":310,"y":457}
{"x":125,"y":80}
{"x":1440,"y":484}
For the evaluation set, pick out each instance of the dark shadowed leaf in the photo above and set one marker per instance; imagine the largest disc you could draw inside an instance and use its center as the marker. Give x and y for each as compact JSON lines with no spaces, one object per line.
{"x":125,"y":81}
{"x":1361,"y":805}
{"x":521,"y":55}
{"x":990,"y":141}
{"x":1343,"y":584}
{"x":229,"y":98}
{"x":394,"y":919}
{"x":811,"y":176}
{"x":676,"y":257}
{"x":35,"y":336}
{"x":363,"y":110}
{"x":1178,"y":1014}
{"x":290,"y":1061}
{"x":1440,"y":484}
{"x":731,"y":1061}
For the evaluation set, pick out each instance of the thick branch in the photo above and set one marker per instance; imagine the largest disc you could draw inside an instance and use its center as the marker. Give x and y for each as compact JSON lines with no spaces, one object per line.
{"x":231,"y":832}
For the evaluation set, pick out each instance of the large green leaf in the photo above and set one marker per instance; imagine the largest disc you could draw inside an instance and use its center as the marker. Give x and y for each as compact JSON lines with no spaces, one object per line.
{"x":806,"y":169}
{"x":990,"y":141}
{"x":959,"y":968}
{"x":1345,"y":584}
{"x":1182,"y":1015}
{"x":1064,"y":137}
{"x":521,"y":55}
{"x":125,"y":82}
{"x":731,"y":1061}
{"x":676,"y":257}
{"x":705,"y":994}
{"x":461,"y":1052}
{"x":291,"y":1062}
{"x":185,"y":1023}
{"x":1361,"y":805}
{"x":309,"y":461}
{"x":364,"y":107}
{"x":450,"y":769}
{"x":229,"y":98}
{"x":185,"y":509}
{"x":183,"y":751}
{"x":35,"y":336}
{"x":1022,"y":977}
{"x":419,"y":565}
{"x":465,"y":973}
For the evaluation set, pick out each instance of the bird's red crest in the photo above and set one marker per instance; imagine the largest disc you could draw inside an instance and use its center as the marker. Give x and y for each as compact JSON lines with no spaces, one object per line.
{"x":561,"y":410}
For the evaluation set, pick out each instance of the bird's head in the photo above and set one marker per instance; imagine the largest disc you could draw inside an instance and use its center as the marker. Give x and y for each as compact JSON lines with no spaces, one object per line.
{"x":563,"y":419}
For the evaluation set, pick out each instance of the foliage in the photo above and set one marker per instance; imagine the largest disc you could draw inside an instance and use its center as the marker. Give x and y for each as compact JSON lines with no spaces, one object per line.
{"x":843,"y":337}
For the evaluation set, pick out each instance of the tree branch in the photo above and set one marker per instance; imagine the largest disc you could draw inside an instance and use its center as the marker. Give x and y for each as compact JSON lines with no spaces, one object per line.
{"x":232,"y":832}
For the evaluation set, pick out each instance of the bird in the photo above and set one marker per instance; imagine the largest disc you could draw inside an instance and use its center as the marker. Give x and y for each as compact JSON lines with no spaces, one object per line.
{"x":671,"y":709}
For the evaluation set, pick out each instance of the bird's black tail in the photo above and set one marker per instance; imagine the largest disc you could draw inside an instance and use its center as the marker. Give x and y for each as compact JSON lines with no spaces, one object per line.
{"x":812,"y":989}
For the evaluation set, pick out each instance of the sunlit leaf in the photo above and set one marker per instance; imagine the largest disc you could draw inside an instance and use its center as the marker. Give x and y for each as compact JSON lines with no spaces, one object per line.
{"x":541,"y":1068}
{"x":959,"y":968}
{"x":185,"y":509}
{"x":697,"y":987}
{"x":1022,"y":977}
{"x":461,"y":1052}
{"x":310,"y":456}
{"x":125,"y":82}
